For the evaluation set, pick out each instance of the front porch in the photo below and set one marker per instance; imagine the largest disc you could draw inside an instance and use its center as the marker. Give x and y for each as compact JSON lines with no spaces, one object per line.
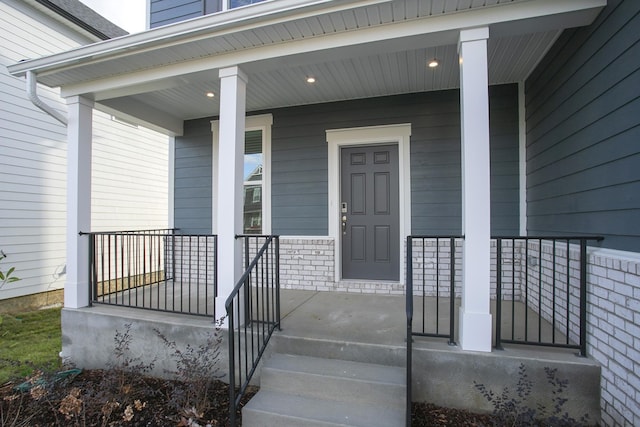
{"x":348,"y":326}
{"x":538,"y":298}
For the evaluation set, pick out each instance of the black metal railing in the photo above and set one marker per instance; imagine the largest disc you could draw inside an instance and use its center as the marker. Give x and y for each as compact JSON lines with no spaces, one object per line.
{"x":154,"y":270}
{"x":431,"y":263}
{"x":431,"y":276}
{"x":253,"y":313}
{"x":541,"y":288}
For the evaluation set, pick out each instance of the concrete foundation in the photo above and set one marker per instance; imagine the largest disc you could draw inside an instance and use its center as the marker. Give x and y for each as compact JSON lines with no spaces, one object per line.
{"x":363,"y":328}
{"x":88,"y":337}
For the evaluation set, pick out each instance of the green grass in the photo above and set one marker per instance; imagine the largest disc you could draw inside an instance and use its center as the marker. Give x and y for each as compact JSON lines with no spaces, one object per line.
{"x":29,"y":341}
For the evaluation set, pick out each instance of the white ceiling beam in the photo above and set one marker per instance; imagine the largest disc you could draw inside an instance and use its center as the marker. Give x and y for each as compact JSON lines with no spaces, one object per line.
{"x":142,"y":114}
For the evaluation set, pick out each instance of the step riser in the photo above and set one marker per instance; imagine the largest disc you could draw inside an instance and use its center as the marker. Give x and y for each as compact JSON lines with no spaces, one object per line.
{"x":333,"y":388}
{"x":267,"y":419}
{"x":357,"y":352}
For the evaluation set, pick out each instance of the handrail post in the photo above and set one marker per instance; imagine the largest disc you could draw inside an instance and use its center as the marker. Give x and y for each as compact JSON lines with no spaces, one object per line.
{"x":277,"y":239}
{"x":499,"y":293}
{"x":583,"y":296}
{"x":93,"y":282}
{"x":255,"y":332}
{"x":215,"y":268}
{"x":232,"y":368}
{"x":247,"y":286}
{"x":409,"y":311}
{"x":452,"y":289}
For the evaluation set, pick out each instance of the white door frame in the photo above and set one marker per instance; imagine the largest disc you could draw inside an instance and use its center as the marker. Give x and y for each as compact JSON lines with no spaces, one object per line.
{"x":399,"y":134}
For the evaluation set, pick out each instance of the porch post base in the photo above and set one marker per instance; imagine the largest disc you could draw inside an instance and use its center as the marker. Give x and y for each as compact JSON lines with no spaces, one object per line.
{"x":475,"y":331}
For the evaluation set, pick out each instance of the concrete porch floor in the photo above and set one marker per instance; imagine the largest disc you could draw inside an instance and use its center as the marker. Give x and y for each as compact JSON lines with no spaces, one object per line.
{"x":361,"y":327}
{"x":381,"y":319}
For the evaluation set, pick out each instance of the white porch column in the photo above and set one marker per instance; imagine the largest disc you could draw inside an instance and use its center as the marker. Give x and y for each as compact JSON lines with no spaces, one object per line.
{"x":233,"y":84}
{"x":79,"y":129}
{"x":475,"y":317}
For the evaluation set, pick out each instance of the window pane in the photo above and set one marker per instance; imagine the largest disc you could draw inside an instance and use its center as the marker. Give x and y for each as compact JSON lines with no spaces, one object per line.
{"x":253,"y":167}
{"x":253,"y":209}
{"x":253,"y":156}
{"x":253,"y":163}
{"x":212,"y":6}
{"x":238,"y":3}
{"x":253,"y":142}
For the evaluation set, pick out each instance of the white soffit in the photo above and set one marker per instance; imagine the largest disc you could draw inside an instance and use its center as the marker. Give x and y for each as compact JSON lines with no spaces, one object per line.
{"x":357,"y":48}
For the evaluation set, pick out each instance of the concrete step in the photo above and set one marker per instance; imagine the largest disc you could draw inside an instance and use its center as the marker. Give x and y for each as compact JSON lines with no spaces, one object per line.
{"x":334,"y":379}
{"x":274,"y":409}
{"x":385,"y":354}
{"x":309,"y":391}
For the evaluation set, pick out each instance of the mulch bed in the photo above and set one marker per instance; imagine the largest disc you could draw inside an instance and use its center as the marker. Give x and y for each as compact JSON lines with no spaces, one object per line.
{"x":115,"y":398}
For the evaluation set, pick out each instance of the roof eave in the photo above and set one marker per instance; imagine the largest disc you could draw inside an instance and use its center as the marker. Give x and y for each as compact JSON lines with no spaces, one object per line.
{"x":255,"y":15}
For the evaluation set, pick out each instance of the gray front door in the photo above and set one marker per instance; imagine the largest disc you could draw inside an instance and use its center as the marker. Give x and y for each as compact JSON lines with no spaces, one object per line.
{"x":369,"y":217}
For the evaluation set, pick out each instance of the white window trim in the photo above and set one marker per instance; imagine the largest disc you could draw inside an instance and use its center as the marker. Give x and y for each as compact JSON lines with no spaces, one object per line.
{"x":522,"y":153}
{"x":399,"y":134}
{"x":261,"y":122}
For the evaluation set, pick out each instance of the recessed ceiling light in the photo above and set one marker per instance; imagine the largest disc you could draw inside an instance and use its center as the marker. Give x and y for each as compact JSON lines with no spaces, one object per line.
{"x":311,"y":79}
{"x":433,"y":63}
{"x":210,"y":94}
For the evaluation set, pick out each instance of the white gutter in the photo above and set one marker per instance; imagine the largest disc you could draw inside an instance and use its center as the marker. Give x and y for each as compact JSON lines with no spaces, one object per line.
{"x":32,"y":91}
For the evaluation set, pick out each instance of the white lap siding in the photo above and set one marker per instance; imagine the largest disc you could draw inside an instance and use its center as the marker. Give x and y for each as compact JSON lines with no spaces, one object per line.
{"x":130,"y":165}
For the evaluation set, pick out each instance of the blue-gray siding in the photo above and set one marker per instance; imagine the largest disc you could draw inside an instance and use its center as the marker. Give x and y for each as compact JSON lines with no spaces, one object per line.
{"x":299,"y":160}
{"x":583,"y":132}
{"x":192,"y":180}
{"x":299,"y":173}
{"x":163,"y":12}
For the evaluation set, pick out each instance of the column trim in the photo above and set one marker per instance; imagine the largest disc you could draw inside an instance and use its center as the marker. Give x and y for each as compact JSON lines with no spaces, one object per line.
{"x":522,"y":157}
{"x":79,"y":141}
{"x":230,"y":180}
{"x":475,"y":315}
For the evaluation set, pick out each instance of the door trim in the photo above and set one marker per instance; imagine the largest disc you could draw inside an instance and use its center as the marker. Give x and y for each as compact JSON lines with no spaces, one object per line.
{"x":399,"y":134}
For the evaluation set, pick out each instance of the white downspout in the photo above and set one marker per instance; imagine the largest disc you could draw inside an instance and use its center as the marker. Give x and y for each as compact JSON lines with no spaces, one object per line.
{"x":32,"y":91}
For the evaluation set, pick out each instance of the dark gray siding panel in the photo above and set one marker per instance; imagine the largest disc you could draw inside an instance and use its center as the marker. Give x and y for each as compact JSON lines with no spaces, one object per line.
{"x":505,"y":161}
{"x":298,"y":173}
{"x":192,"y":178}
{"x":583,"y":128}
{"x":299,"y":190}
{"x":165,"y":12}
{"x":299,"y":159}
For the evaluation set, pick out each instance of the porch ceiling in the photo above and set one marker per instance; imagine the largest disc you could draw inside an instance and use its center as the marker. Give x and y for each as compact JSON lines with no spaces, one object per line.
{"x":354,"y":48}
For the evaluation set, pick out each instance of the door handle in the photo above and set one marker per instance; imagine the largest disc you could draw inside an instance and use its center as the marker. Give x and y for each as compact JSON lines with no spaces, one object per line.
{"x":344,"y":224}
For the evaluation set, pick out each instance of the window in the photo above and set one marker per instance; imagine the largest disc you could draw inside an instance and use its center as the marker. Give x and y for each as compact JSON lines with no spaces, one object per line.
{"x":256,"y":214}
{"x":237,"y":3}
{"x":253,"y":165}
{"x":213,"y":6}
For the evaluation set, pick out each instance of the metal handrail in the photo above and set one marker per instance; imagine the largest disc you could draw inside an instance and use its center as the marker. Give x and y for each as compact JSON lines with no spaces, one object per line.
{"x":409,"y":304}
{"x":547,"y":283}
{"x":582,"y":346}
{"x":154,"y":269}
{"x":151,"y":231}
{"x":409,"y":313}
{"x":255,"y":322}
{"x":451,"y":285}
